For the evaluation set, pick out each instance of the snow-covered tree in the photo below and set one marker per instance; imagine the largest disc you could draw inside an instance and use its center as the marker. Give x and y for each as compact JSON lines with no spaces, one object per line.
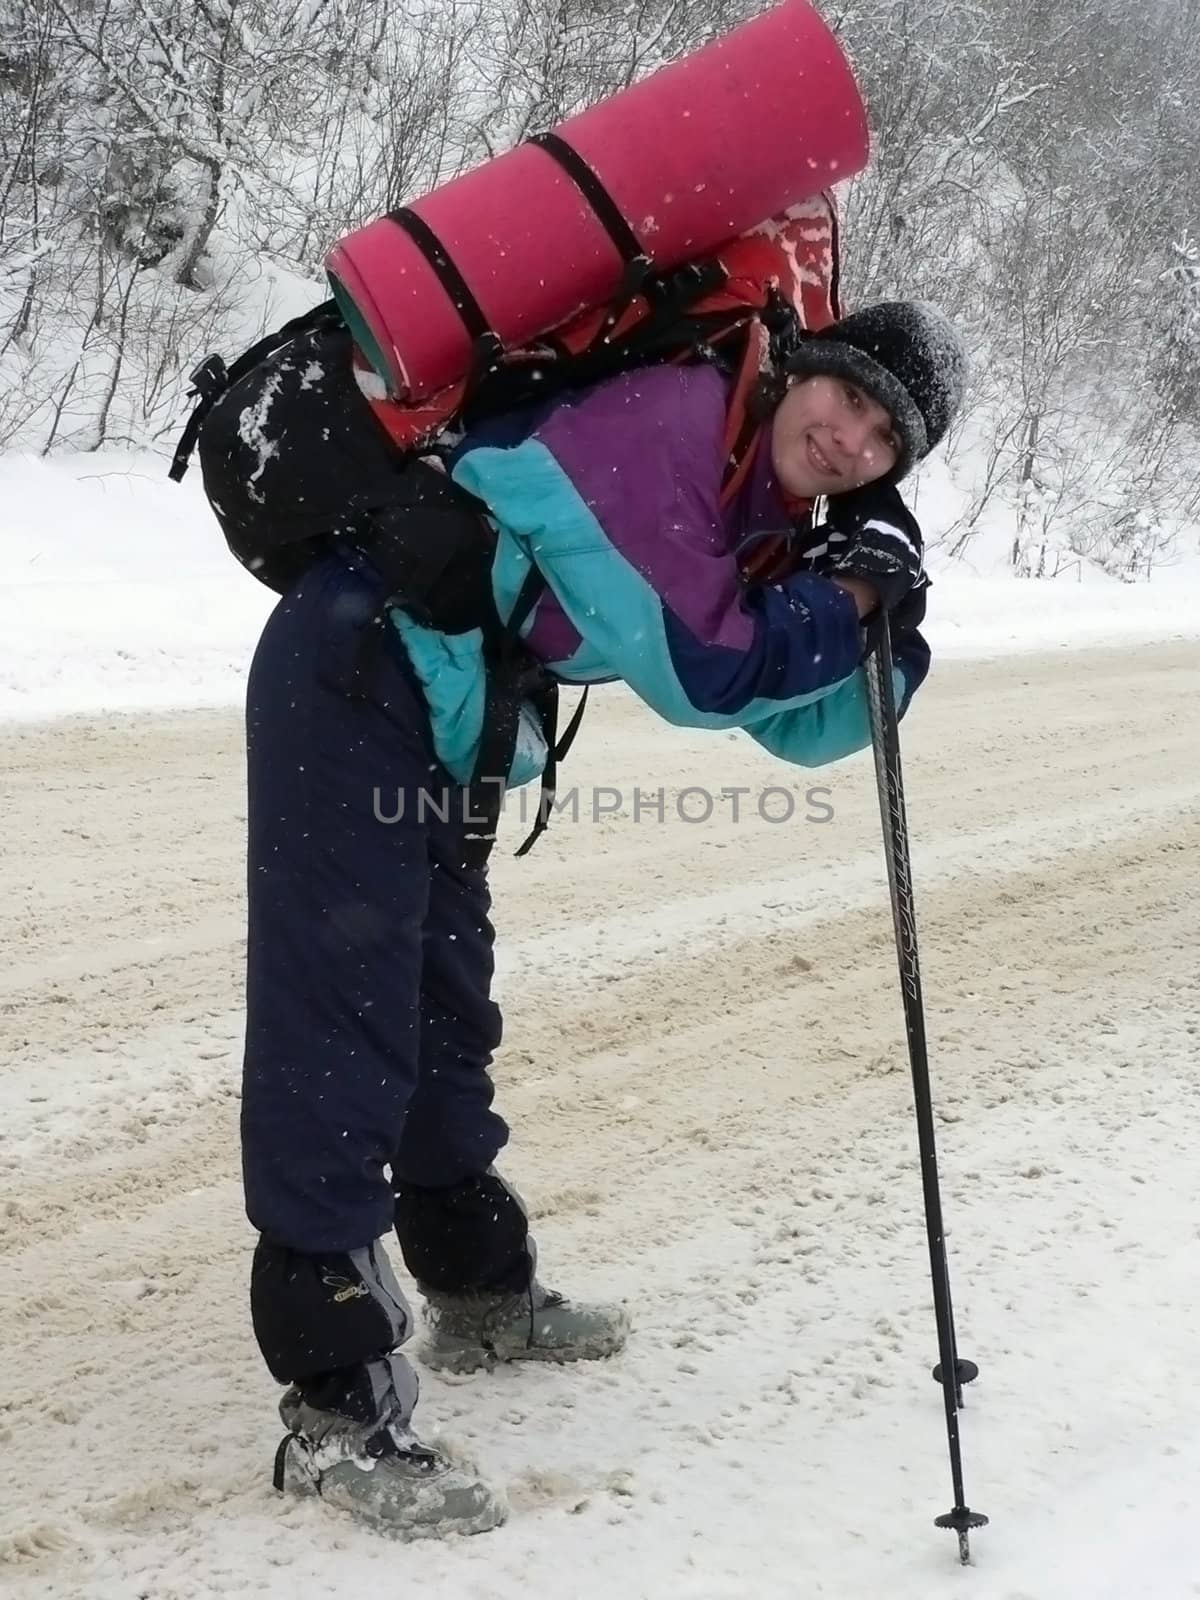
{"x":1036,"y":170}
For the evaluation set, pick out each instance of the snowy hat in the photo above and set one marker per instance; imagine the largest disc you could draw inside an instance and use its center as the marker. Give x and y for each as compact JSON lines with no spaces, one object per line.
{"x":904,"y":353}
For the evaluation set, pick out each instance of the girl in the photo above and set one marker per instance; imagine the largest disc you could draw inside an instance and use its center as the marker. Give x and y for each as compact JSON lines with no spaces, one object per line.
{"x":370,"y":1027}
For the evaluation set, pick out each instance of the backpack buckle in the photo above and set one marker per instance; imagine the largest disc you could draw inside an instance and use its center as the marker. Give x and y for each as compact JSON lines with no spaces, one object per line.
{"x":778,"y":316}
{"x":210,"y":379}
{"x":637,"y":277}
{"x":208,"y":383}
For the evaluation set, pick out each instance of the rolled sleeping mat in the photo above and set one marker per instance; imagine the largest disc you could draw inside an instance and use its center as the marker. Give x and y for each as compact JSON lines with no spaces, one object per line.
{"x":666,"y":170}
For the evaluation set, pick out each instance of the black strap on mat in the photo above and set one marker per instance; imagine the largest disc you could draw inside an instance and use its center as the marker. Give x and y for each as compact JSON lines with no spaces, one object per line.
{"x":607,"y":212}
{"x":461,"y":294}
{"x":487,"y":343}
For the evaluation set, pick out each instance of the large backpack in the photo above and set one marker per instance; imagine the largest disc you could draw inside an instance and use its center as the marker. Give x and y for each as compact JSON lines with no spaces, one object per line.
{"x":343,"y":465}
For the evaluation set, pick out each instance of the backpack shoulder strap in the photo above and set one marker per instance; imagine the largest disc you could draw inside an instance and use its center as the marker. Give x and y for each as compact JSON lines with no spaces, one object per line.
{"x":742,"y":430}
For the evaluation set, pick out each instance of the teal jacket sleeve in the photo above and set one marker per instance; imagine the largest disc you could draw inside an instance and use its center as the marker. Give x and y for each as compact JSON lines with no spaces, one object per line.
{"x":838,"y":723}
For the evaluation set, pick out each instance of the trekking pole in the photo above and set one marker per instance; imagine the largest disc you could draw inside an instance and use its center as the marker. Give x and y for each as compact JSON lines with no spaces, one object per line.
{"x":951,"y":1372}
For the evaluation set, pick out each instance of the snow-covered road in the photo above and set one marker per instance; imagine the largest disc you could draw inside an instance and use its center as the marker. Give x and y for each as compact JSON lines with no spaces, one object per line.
{"x":706,"y":1076}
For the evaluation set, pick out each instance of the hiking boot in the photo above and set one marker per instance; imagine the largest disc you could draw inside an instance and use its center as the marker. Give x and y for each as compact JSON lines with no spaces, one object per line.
{"x":381,"y":1474}
{"x":468,"y":1331}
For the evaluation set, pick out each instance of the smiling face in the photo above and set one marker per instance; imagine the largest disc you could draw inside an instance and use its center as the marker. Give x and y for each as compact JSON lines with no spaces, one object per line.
{"x":829,"y":436}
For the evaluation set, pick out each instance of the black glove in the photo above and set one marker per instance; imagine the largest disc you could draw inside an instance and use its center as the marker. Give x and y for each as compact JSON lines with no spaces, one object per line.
{"x":870,"y":534}
{"x":908,"y":616}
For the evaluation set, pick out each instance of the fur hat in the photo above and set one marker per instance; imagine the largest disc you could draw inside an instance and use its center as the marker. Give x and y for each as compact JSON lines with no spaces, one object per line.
{"x":904,"y":353}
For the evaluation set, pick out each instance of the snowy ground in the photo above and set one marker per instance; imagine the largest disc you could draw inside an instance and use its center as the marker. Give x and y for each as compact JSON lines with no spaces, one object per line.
{"x":706,"y":1076}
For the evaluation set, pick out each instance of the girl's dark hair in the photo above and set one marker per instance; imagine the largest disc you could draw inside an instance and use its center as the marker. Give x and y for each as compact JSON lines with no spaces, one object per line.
{"x":763,"y":400}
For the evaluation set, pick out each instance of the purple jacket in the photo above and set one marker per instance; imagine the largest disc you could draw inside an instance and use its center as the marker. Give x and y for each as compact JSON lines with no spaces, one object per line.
{"x":615,"y":495}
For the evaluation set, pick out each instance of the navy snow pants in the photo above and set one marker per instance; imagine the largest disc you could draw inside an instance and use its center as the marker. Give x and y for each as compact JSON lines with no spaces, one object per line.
{"x":370,"y":1025}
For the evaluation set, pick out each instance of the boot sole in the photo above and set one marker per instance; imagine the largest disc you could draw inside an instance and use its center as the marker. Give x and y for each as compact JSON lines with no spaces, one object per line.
{"x":474,"y":1358}
{"x":493,"y":1514}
